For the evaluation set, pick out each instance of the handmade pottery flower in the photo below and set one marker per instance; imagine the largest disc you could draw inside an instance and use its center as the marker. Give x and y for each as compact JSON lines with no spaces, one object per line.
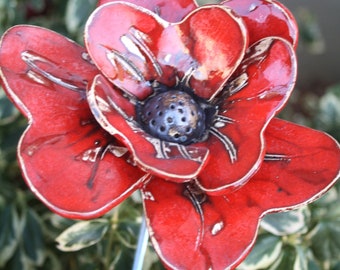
{"x":175,"y":100}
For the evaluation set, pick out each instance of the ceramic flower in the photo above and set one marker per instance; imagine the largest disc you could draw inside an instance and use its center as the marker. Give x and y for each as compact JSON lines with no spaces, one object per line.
{"x":175,"y":100}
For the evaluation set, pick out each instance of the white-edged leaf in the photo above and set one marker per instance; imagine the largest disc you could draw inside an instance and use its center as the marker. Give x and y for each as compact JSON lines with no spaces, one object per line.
{"x":301,"y":261}
{"x":82,"y":234}
{"x":33,"y":240}
{"x":10,"y":229}
{"x":287,"y":259}
{"x":265,"y":252}
{"x":286,"y":223}
{"x":331,"y":197}
{"x":325,"y":238}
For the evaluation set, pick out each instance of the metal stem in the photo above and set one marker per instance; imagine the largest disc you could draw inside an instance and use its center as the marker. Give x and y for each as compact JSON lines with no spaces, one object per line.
{"x":142,"y":244}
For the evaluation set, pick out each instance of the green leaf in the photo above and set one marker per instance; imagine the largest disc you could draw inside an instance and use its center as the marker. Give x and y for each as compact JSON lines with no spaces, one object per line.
{"x":327,"y":212}
{"x":19,"y":261}
{"x":325,"y":239}
{"x":336,"y":266}
{"x":53,"y":261}
{"x":286,"y":223}
{"x":331,"y":197}
{"x":58,"y":222}
{"x":2,"y":202}
{"x":295,"y":258}
{"x":36,"y":5}
{"x":10,"y":14}
{"x":124,"y":259}
{"x":328,"y":117}
{"x":287,"y":260}
{"x":10,"y":228}
{"x":82,"y":234}
{"x":302,"y":260}
{"x":151,"y":260}
{"x":77,"y":12}
{"x":8,"y":112}
{"x":33,"y":242}
{"x":313,"y":265}
{"x":305,"y":259}
{"x":265,"y":252}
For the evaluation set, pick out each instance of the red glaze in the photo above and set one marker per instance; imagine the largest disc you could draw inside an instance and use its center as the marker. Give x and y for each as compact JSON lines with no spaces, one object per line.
{"x":217,"y":232}
{"x":84,"y":152}
{"x":270,"y":71}
{"x":144,"y":48}
{"x":76,"y":168}
{"x":266,"y":18}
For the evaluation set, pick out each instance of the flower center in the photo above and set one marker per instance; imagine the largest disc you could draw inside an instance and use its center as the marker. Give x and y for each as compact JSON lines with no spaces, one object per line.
{"x":174,"y":116}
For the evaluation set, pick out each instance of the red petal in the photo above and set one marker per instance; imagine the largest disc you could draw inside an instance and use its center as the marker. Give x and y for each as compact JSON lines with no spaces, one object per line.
{"x":122,"y":41}
{"x":213,"y":232}
{"x":69,"y":162}
{"x":265,"y":18}
{"x":217,"y":41}
{"x":303,"y":164}
{"x":172,"y":11}
{"x":167,"y":160}
{"x":143,"y":48}
{"x":217,"y":232}
{"x":269,"y":72}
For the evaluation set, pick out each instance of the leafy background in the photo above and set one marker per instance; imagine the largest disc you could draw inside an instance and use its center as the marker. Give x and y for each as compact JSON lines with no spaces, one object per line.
{"x":31,"y":237}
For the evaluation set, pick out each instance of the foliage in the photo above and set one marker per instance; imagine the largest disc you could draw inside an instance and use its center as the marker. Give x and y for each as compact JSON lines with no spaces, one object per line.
{"x":32,"y":237}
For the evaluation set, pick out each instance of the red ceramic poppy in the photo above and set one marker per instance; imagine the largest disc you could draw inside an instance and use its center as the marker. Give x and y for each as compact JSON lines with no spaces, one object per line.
{"x":178,"y":101}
